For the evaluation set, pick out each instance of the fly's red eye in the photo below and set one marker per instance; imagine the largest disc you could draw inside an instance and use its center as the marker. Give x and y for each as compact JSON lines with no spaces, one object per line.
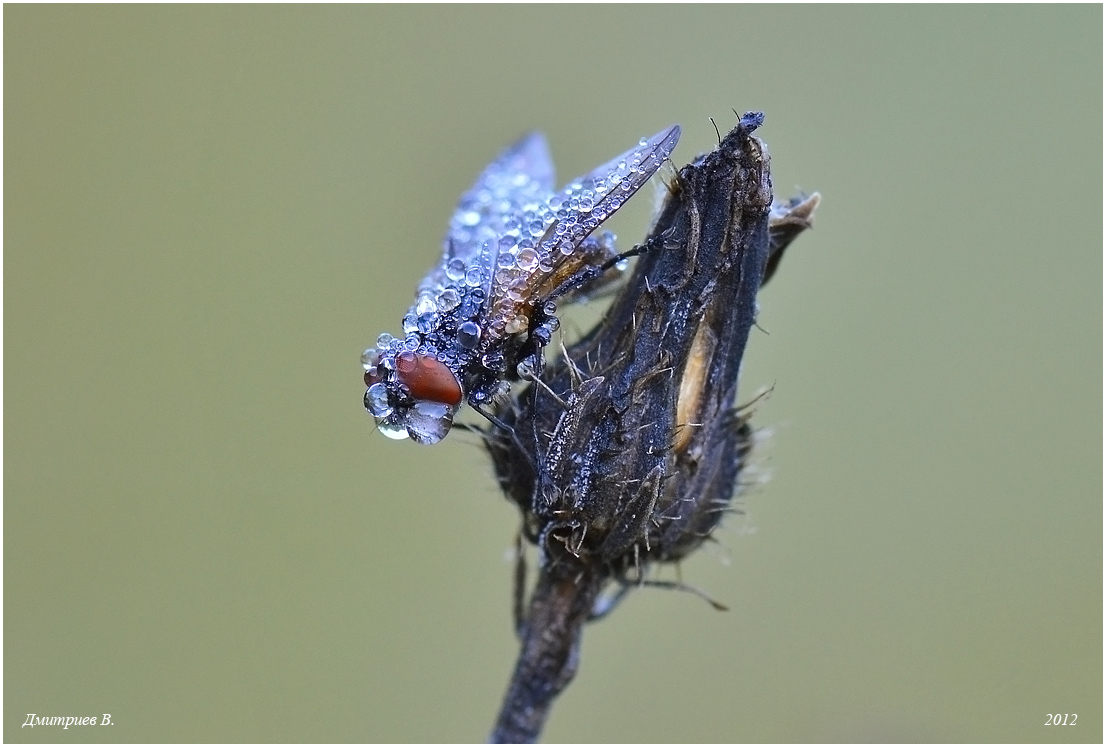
{"x":428,"y":379}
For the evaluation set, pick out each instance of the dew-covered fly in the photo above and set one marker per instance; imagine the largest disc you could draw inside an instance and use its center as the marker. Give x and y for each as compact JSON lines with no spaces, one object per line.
{"x":484,"y":314}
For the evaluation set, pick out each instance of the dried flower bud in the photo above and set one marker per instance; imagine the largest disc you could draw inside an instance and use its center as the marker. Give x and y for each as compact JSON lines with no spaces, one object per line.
{"x":631,"y":451}
{"x":628,"y":450}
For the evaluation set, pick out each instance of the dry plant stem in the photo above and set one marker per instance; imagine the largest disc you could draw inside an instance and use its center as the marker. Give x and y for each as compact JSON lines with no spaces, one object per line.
{"x":559,"y":606}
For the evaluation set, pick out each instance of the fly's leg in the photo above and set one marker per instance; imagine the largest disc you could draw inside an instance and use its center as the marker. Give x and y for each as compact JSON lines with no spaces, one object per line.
{"x":590,"y":273}
{"x":601,"y":252}
{"x":509,"y":430}
{"x":543,"y":321}
{"x":531,"y":358}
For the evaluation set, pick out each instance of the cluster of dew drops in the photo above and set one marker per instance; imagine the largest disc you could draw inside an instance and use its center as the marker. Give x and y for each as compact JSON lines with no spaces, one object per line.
{"x":501,"y":224}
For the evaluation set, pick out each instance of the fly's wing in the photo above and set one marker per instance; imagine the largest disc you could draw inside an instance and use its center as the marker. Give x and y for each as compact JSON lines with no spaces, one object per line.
{"x":548,"y":250}
{"x":595,"y":196}
{"x":521,"y":175}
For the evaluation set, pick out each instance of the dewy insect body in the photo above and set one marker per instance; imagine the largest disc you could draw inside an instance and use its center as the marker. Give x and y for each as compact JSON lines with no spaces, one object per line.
{"x":486,"y":311}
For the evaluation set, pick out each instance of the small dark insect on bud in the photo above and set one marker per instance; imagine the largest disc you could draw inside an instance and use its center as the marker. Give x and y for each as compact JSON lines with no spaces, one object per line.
{"x":628,"y":450}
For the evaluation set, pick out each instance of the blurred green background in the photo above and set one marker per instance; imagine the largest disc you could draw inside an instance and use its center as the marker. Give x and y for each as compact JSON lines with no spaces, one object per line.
{"x":210,"y":211}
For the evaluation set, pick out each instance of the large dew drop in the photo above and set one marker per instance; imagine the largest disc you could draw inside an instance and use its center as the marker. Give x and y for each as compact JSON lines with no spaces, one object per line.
{"x":429,"y":422}
{"x":376,"y":401}
{"x":392,"y":430}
